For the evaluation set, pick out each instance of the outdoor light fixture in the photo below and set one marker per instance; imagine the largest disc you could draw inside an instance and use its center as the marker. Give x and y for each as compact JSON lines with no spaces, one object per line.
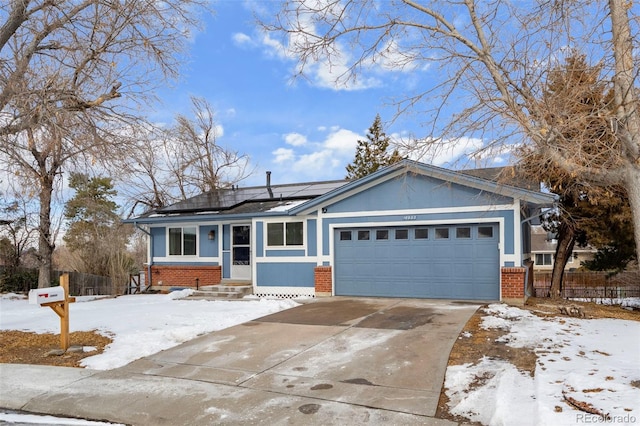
{"x":212,"y":234}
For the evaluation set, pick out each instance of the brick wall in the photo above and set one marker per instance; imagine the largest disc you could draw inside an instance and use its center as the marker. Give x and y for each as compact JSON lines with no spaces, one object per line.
{"x":324,"y":286}
{"x":513,"y":285}
{"x":185,"y":275}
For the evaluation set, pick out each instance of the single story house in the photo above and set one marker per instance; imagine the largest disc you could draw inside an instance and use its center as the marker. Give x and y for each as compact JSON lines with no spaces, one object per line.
{"x":407,"y":230}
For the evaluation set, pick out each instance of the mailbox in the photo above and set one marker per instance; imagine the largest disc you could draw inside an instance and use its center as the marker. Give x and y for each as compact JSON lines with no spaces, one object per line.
{"x":46,"y":295}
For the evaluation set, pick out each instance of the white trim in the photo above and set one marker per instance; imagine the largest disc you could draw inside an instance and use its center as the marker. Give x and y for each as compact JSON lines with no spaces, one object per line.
{"x":287,"y":259}
{"x":188,"y":260}
{"x":436,"y":210}
{"x":284,"y":221}
{"x":517,"y":232}
{"x":251,"y":250}
{"x":182,"y":257}
{"x":499,"y":220}
{"x":319,"y":237}
{"x":354,"y":191}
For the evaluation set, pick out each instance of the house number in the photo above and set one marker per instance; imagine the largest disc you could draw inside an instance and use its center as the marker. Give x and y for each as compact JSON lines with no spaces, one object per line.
{"x":409,"y":218}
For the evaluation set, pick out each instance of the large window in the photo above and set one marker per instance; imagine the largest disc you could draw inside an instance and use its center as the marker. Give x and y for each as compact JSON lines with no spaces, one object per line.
{"x":182,"y":241}
{"x":545,"y":259}
{"x":285,"y":234}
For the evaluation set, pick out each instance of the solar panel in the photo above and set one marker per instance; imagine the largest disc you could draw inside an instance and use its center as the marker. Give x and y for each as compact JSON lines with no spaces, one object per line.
{"x":225,"y":199}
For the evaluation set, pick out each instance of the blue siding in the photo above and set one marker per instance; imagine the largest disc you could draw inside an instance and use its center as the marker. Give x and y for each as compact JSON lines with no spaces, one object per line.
{"x":226,"y":265}
{"x":286,"y":274}
{"x":226,"y":237}
{"x":208,"y":248}
{"x":312,"y":238}
{"x":259,"y":233}
{"x":285,"y":253}
{"x":414,"y":192}
{"x":159,"y":242}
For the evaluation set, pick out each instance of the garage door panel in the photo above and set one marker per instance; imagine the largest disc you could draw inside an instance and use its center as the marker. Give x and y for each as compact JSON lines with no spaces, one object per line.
{"x":464,"y":265}
{"x":463,"y":271}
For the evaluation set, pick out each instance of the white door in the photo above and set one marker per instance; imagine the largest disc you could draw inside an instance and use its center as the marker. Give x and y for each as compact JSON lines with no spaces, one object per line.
{"x":241,"y":252}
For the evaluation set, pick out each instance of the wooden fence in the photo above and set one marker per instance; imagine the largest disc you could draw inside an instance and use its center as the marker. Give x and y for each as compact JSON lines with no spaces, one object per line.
{"x":81,"y":284}
{"x":591,"y":284}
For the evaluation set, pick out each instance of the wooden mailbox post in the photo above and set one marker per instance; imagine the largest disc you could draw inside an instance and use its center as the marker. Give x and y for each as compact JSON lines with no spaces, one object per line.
{"x":62,"y":309}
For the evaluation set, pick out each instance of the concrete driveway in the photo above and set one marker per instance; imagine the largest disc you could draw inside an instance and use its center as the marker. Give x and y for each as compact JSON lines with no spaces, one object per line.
{"x":332,"y":361}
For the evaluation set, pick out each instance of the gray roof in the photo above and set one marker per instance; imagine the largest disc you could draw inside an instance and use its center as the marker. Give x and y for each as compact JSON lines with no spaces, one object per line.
{"x":249,"y":200}
{"x":299,"y":197}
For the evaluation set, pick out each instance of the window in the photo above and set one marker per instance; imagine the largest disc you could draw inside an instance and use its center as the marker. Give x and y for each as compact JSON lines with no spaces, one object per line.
{"x":182,"y":241}
{"x":485,"y":231}
{"x":382,"y":234}
{"x":442,"y":233}
{"x":402,"y":234}
{"x":422,"y":233}
{"x":285,"y":234}
{"x":463,"y":232}
{"x":345,"y":235}
{"x":545,"y":259}
{"x":363,"y":235}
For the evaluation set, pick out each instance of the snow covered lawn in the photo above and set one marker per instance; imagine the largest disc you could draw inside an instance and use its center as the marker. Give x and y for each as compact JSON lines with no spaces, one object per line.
{"x":594,"y":363}
{"x":140,"y":325}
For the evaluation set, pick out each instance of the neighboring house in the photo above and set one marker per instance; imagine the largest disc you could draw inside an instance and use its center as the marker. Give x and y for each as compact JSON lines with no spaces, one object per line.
{"x":543,"y":250}
{"x":408,"y":230}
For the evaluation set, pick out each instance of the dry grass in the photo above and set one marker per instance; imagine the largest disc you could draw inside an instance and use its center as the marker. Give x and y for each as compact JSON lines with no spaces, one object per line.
{"x":20,"y":347}
{"x":483,"y":342}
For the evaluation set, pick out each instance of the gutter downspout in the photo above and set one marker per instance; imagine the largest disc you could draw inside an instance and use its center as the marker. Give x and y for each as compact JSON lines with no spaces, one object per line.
{"x":150,"y":251}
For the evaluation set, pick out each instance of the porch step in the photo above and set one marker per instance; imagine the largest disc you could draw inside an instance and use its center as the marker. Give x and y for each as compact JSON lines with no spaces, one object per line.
{"x":222,"y":291}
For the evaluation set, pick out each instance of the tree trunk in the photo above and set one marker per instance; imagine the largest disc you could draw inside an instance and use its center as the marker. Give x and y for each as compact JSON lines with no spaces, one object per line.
{"x":45,"y":243}
{"x":633,"y":191}
{"x":564,"y":249}
{"x":626,"y":99}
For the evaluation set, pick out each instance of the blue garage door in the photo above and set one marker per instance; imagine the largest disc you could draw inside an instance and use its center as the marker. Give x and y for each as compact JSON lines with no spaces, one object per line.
{"x":448,"y":262}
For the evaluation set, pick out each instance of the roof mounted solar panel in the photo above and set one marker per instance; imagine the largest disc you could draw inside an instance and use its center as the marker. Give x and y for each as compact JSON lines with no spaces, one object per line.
{"x":230,"y":198}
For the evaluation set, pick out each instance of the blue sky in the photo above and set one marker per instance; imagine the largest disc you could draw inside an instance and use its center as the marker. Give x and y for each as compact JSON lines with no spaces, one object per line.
{"x":302,"y":129}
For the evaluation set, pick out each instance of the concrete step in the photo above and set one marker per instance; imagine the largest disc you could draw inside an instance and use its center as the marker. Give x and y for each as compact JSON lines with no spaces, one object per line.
{"x":222,"y":291}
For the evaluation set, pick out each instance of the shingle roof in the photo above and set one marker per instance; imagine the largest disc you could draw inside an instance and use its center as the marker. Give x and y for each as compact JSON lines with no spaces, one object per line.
{"x":255,"y":199}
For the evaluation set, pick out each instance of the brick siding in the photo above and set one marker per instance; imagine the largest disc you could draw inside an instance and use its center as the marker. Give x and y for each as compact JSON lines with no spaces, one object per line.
{"x":185,"y":276}
{"x":513,"y":285}
{"x":323,"y":283}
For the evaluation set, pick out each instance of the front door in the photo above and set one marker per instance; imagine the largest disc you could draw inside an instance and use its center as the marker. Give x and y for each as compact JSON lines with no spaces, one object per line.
{"x":241,"y":252}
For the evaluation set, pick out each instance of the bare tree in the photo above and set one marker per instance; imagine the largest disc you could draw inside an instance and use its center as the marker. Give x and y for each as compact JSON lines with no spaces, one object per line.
{"x":71,"y":75}
{"x":206,"y":165}
{"x":183,"y":160}
{"x":494,"y":60}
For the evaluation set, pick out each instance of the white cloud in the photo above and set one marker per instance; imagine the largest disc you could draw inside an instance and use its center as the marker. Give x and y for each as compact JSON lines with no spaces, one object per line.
{"x":295,"y":139}
{"x":342,"y":141}
{"x":283,"y":155}
{"x":440,"y":153}
{"x":242,"y":40}
{"x":321,"y":160}
{"x":274,"y":49}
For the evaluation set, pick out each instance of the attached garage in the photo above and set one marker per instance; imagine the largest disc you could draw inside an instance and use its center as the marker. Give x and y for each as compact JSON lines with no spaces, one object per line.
{"x":460,"y":261}
{"x":407,"y":230}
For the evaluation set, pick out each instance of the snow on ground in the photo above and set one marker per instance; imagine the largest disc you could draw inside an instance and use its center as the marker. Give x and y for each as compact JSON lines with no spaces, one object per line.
{"x":591,"y":361}
{"x":140,"y":325}
{"x":595,"y":362}
{"x":36,"y":419}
